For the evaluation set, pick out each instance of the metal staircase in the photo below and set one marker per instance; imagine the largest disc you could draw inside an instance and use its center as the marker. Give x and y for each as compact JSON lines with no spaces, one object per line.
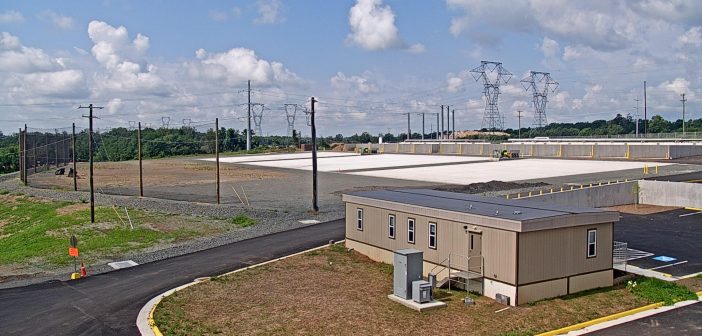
{"x":462,"y":272}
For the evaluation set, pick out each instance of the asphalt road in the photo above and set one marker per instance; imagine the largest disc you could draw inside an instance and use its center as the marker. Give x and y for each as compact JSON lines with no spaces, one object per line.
{"x":681,"y":321}
{"x":664,"y":234}
{"x":108,"y":304}
{"x":688,"y":177}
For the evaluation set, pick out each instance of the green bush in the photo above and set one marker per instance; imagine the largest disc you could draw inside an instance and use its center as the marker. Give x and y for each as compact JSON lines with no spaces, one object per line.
{"x":656,"y":290}
{"x":243,"y":221}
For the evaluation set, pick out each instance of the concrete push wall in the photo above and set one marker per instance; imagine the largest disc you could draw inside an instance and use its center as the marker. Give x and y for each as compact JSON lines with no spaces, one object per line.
{"x":684,"y":150}
{"x":593,"y":197}
{"x":664,"y":193}
{"x":648,"y":151}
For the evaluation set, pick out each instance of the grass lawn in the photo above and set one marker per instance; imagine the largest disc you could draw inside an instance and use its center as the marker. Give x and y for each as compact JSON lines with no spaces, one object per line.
{"x":36,"y":232}
{"x":336,"y":292}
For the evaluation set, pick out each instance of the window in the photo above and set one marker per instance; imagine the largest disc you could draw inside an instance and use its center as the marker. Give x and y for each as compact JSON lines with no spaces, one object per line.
{"x":359,"y":219}
{"x":391,"y":226}
{"x":432,"y":235}
{"x":592,"y":243}
{"x":410,"y":230}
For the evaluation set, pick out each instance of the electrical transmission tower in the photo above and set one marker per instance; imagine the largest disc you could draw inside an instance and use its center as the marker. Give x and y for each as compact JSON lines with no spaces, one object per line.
{"x":290,"y":111}
{"x":257,"y":113}
{"x":540,"y":83}
{"x":493,"y":74}
{"x":165,"y":121}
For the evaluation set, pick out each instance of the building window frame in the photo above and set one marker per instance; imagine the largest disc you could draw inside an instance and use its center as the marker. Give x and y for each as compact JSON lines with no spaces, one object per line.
{"x":432,"y":235}
{"x":359,"y":219}
{"x":411,"y":229}
{"x":591,"y":243}
{"x":392,"y":226}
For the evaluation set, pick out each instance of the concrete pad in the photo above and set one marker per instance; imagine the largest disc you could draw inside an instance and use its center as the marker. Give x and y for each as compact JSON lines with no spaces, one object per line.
{"x":380,"y":161}
{"x":278,"y":157}
{"x":122,"y":264}
{"x":420,"y":307}
{"x":515,"y":170}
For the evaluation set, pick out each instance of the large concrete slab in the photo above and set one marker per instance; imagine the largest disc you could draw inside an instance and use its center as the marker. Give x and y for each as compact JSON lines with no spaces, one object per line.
{"x":278,"y":157}
{"x":515,"y":170}
{"x":356,"y":162}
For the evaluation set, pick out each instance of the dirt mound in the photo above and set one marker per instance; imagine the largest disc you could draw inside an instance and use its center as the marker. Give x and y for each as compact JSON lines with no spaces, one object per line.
{"x":337,"y":147}
{"x":481,"y":187}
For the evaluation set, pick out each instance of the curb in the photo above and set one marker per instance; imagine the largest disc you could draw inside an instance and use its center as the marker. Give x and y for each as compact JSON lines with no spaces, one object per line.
{"x":145,"y":320}
{"x":647,"y":308}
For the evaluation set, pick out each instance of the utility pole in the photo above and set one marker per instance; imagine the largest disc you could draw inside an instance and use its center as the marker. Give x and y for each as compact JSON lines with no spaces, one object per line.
{"x":442,"y":122}
{"x":90,"y":156}
{"x":248,"y":129}
{"x":645,"y":111}
{"x":75,"y":171}
{"x":315,"y":207}
{"x":46,"y":150}
{"x":56,"y":141}
{"x":409,"y":131}
{"x":422,"y":126}
{"x":519,"y":118}
{"x":453,"y":124}
{"x":683,"y":100}
{"x":637,"y":116}
{"x":141,"y":167}
{"x":437,"y":125}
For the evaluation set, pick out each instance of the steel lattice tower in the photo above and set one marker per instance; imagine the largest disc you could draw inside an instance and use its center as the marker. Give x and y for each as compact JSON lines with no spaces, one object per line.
{"x":257,"y":113}
{"x":540,"y":83}
{"x":290,"y":111}
{"x":493,"y":74}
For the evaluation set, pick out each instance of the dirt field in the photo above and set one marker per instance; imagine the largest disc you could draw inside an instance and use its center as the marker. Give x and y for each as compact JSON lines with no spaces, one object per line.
{"x":335,"y":292}
{"x":640,"y":209}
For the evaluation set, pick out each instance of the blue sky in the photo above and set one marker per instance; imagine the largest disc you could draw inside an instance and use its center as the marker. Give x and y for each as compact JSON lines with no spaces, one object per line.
{"x":367,"y":61}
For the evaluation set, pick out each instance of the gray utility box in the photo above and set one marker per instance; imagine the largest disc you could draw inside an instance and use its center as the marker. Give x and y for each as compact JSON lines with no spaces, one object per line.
{"x":421,"y":291}
{"x":501,"y":298}
{"x":408,"y":268}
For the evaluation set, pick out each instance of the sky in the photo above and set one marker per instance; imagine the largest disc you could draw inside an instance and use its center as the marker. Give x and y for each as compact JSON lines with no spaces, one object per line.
{"x":367,"y":62}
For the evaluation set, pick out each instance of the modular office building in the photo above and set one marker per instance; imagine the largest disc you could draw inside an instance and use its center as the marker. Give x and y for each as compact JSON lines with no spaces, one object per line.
{"x":524,"y":250}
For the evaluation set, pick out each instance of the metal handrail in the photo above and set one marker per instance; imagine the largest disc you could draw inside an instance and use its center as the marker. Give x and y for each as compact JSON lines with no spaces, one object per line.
{"x":443,"y":266}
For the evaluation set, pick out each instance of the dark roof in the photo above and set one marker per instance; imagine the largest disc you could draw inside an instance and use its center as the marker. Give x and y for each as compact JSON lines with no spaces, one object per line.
{"x":519,"y":210}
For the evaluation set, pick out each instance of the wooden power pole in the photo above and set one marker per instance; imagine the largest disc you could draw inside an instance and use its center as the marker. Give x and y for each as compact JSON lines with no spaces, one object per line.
{"x":90,"y":156}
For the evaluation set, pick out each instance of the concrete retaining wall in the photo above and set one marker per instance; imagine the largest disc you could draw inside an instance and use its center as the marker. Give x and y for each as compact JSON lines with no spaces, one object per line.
{"x":622,"y":151}
{"x":683,"y":150}
{"x":594,"y":197}
{"x":664,"y":193}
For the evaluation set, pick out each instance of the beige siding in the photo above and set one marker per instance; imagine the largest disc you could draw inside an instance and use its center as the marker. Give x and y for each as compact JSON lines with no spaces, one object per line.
{"x":560,"y":253}
{"x":583,"y":282}
{"x":498,"y":246}
{"x":541,"y":290}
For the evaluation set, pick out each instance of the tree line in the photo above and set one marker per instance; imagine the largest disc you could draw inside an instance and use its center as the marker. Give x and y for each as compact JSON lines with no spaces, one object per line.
{"x":120,"y":144}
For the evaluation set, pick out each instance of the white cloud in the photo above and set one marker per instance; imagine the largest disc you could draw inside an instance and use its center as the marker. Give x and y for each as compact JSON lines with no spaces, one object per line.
{"x":126,"y":69}
{"x":224,"y":15}
{"x":238,"y":65}
{"x":416,"y":48}
{"x":352,"y":84}
{"x":58,"y":20}
{"x":14,"y":57}
{"x":677,"y":86}
{"x":62,"y":84}
{"x":549,"y":47}
{"x":373,"y":28}
{"x":692,"y":37}
{"x":10,"y":16}
{"x":269,"y":12}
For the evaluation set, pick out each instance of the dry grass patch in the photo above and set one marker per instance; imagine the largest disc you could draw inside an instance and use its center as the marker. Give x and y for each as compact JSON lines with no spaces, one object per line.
{"x":335,"y":292}
{"x":641,"y":209}
{"x":69,"y":209}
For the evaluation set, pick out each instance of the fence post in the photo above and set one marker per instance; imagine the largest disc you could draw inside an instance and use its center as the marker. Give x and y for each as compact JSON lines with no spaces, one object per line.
{"x":75,"y":170}
{"x":24,"y":145}
{"x":21,"y":155}
{"x":217,"y":153}
{"x":141,"y":168}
